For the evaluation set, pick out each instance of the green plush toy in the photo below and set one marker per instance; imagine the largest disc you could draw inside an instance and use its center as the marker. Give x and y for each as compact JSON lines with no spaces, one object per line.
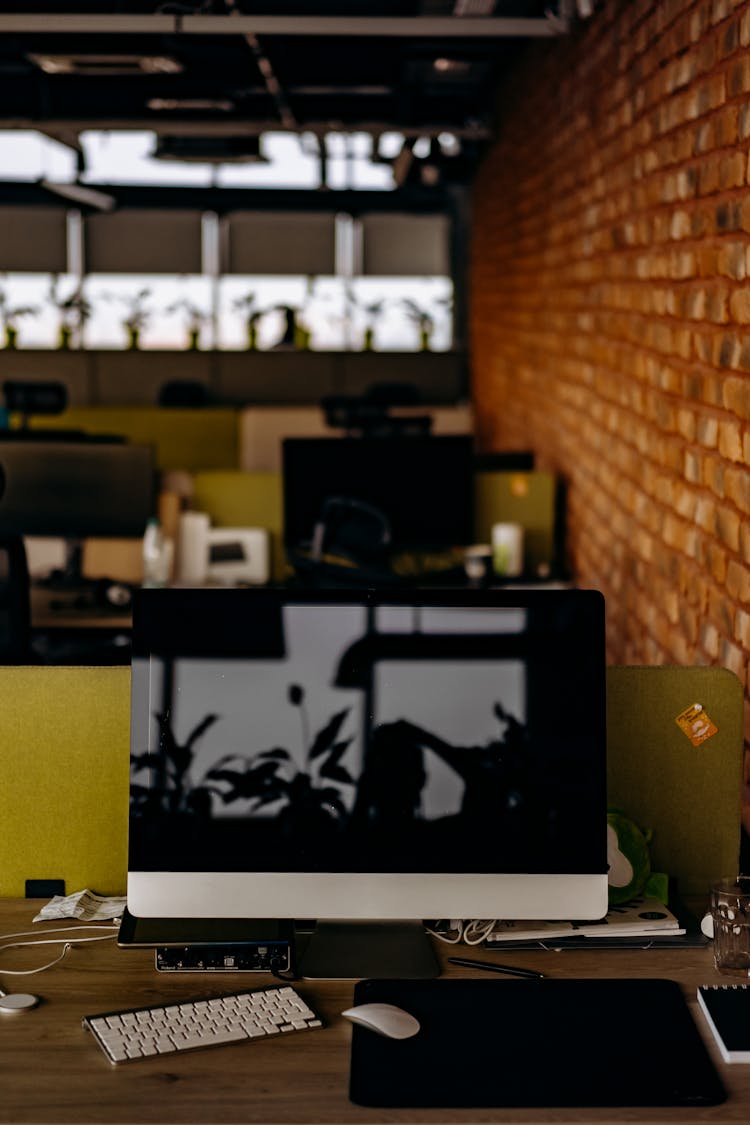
{"x":628,"y":858}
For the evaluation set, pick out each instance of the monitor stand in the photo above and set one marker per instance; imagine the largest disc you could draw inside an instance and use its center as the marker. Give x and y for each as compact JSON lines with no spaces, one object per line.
{"x":380,"y":950}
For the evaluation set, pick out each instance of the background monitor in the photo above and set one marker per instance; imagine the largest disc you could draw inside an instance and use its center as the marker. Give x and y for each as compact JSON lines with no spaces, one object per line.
{"x":422,"y":484}
{"x":75,"y":489}
{"x":370,"y":756}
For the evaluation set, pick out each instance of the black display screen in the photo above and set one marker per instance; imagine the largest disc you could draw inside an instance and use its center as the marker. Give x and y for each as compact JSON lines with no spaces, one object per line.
{"x":422,"y":485}
{"x":275,"y":730}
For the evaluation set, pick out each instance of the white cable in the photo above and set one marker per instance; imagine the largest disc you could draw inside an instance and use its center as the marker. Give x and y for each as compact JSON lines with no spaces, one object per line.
{"x":65,"y":942}
{"x":57,"y":930}
{"x":470,"y":933}
{"x":30,"y":972}
{"x":477,"y":931}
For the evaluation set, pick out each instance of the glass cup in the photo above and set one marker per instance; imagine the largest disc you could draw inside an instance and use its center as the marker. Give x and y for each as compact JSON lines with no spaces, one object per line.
{"x":507,"y":549}
{"x":730,"y":911}
{"x":478,"y":564}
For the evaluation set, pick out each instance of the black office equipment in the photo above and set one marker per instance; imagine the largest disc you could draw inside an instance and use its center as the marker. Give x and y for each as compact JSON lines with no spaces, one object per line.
{"x":15,"y":603}
{"x":212,"y":944}
{"x":727,"y":1011}
{"x":493,"y":1043}
{"x":422,"y":485}
{"x":367,"y":756}
{"x":74,"y":488}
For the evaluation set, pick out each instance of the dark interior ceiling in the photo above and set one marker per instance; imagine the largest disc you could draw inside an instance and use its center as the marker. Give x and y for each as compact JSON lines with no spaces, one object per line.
{"x":215,"y":75}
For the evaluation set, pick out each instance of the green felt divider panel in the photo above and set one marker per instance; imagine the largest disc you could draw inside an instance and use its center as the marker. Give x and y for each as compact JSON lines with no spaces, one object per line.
{"x":245,"y":499}
{"x":64,"y":739}
{"x":524,"y":498}
{"x":688,"y":795}
{"x":183,"y":438}
{"x":65,"y":746}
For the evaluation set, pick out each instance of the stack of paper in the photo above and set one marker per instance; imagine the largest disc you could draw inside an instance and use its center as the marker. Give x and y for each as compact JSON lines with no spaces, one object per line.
{"x":641,"y":917}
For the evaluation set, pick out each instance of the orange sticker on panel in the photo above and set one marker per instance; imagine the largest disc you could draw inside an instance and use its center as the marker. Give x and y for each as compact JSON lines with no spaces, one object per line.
{"x":519,"y":485}
{"x":695,"y":723}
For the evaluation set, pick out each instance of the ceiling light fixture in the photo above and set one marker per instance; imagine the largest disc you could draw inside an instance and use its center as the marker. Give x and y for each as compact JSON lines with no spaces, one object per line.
{"x":115,"y":65}
{"x":196,"y":105}
{"x":238,"y":149}
{"x":473,"y":7}
{"x":451,"y":67}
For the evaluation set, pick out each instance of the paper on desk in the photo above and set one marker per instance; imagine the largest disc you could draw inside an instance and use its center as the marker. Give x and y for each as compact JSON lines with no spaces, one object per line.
{"x":84,"y":905}
{"x":640,"y":917}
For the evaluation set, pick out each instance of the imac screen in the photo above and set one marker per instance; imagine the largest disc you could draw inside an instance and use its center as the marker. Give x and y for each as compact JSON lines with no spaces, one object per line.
{"x":343,"y":731}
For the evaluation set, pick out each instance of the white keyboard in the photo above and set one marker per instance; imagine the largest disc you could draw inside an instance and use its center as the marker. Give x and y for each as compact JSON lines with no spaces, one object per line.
{"x":141,"y":1033}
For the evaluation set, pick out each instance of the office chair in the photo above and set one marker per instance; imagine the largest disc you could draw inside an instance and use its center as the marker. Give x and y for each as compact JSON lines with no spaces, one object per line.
{"x":184,"y":392}
{"x":15,"y":603}
{"x":350,"y":546}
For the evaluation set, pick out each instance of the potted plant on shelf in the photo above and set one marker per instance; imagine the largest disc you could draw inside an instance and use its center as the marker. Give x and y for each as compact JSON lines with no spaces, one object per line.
{"x":423,"y":319}
{"x":9,"y":317}
{"x":295,"y":335}
{"x":372,"y":311}
{"x":247,"y":305}
{"x":137,"y":317}
{"x":197,"y":318}
{"x":74,"y":310}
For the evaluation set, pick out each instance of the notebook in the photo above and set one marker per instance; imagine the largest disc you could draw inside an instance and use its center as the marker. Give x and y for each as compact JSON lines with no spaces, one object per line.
{"x":727,"y":1011}
{"x":542,"y":1043}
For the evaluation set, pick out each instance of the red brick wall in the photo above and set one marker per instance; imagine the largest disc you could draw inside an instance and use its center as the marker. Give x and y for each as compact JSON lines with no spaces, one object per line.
{"x":610,"y":312}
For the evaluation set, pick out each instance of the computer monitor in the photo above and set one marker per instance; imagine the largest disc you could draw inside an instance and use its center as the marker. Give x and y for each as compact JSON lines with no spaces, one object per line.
{"x":423,"y":485}
{"x":368,"y":756}
{"x":75,"y":489}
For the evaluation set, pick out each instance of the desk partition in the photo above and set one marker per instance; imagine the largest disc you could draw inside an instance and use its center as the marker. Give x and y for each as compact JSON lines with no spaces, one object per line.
{"x":65,"y":736}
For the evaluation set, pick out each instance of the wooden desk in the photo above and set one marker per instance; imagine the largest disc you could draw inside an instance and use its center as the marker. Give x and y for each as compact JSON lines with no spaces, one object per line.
{"x":52,"y":1071}
{"x":68,"y":627}
{"x":73,"y":610}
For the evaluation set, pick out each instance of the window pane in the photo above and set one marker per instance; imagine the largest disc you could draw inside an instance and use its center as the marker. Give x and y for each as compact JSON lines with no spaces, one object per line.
{"x":28,"y":155}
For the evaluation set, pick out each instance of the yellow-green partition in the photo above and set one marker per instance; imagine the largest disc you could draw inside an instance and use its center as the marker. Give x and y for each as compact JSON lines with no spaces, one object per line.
{"x":64,"y":738}
{"x":202,"y":438}
{"x":681,"y":779}
{"x":64,"y":748}
{"x":238,"y":499}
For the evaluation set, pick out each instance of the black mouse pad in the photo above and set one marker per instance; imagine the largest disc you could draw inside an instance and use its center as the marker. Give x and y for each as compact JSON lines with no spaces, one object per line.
{"x":530,"y":1043}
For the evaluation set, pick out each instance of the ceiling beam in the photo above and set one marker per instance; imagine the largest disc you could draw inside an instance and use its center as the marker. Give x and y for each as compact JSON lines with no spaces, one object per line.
{"x":474,"y":131}
{"x":409,"y":27}
{"x":411,"y":198}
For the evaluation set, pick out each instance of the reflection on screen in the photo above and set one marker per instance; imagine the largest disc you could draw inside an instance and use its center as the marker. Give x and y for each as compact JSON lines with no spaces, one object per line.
{"x":386,"y":738}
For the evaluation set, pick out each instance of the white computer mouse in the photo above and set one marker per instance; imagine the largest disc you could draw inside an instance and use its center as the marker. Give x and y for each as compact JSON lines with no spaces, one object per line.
{"x":385,"y":1019}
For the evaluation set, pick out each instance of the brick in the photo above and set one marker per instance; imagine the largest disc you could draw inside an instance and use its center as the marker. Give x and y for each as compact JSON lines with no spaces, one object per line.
{"x":732,"y":261}
{"x":732,"y":170}
{"x":739,"y":306}
{"x":728,"y":528}
{"x":707,"y":431}
{"x":736,"y":395}
{"x":730,"y":440}
{"x":738,"y":582}
{"x":738,"y":78}
{"x":737,"y":488}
